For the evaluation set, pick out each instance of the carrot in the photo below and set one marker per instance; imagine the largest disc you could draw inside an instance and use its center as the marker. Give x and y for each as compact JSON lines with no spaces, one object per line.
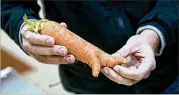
{"x":77,"y":46}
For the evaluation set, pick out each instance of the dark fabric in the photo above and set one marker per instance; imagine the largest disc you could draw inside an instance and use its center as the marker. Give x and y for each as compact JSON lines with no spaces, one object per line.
{"x":165,"y":15}
{"x":108,"y":25}
{"x":173,"y":88}
{"x":12,"y":13}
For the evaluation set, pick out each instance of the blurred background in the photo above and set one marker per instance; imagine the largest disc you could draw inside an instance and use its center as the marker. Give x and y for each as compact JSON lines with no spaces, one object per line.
{"x":36,"y":78}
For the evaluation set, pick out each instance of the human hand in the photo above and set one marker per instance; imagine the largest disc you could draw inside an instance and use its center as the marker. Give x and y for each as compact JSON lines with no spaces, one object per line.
{"x":141,"y":48}
{"x":42,"y":48}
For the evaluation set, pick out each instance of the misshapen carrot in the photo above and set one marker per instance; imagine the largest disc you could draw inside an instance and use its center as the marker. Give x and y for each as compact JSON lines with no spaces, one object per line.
{"x":77,"y":46}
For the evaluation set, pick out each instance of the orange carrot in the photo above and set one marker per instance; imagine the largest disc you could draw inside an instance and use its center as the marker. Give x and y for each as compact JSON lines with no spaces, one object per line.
{"x":77,"y":46}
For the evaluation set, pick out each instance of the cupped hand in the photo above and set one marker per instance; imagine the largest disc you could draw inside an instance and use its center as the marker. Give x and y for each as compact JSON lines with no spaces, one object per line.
{"x":43,"y":48}
{"x":140,"y":52}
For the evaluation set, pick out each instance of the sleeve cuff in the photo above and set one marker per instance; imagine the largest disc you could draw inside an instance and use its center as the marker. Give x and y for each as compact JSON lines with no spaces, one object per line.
{"x":20,"y":36}
{"x":162,"y":39}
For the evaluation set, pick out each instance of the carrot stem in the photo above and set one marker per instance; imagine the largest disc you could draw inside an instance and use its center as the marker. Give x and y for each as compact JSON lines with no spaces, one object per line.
{"x":35,"y":27}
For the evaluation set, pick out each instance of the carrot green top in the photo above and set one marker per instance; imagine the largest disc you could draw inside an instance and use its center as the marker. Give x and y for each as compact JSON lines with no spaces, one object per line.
{"x":35,"y":27}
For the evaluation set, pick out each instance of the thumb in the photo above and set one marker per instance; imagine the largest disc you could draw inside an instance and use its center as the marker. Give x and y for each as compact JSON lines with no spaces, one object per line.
{"x":125,"y":51}
{"x":63,"y":24}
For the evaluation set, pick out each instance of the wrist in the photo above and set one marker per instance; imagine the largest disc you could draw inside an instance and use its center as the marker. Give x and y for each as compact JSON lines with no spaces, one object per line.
{"x":152,"y":38}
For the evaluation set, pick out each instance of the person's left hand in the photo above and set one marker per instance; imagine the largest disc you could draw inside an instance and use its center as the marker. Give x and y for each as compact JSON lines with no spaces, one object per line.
{"x":139,"y":50}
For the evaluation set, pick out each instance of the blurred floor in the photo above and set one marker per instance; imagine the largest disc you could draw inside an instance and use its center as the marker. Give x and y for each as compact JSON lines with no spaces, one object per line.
{"x":44,"y":74}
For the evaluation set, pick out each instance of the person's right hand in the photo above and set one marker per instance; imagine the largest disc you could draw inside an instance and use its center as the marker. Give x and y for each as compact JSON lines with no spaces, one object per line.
{"x":42,"y":48}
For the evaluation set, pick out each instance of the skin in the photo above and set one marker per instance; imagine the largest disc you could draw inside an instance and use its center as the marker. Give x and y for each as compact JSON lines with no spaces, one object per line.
{"x":42,"y":48}
{"x":140,"y":52}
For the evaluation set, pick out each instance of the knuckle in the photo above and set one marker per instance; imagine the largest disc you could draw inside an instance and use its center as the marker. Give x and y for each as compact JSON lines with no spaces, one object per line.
{"x":34,"y":50}
{"x":25,"y":46}
{"x":113,"y":76}
{"x":28,"y":36}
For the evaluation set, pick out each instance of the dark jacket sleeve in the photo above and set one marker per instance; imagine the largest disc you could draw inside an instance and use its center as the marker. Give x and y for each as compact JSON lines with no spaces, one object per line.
{"x":12,"y":16}
{"x":164,"y":16}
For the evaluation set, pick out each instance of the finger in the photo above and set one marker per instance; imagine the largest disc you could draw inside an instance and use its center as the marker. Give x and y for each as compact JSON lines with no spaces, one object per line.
{"x":147,"y":65}
{"x":126,"y":50}
{"x":147,"y":59}
{"x":25,"y":45}
{"x":144,"y":67}
{"x":42,"y":50}
{"x":70,"y":58}
{"x":112,"y":75}
{"x":131,"y":73}
{"x":147,"y":75}
{"x":131,"y":61}
{"x":37,"y":39}
{"x":52,"y":59}
{"x":63,"y":24}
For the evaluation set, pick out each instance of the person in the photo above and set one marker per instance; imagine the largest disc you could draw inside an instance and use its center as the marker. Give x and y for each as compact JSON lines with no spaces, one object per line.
{"x":144,"y":32}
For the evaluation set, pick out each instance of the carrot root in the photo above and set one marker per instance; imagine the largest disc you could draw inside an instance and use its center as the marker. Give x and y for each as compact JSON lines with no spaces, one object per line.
{"x":77,"y":46}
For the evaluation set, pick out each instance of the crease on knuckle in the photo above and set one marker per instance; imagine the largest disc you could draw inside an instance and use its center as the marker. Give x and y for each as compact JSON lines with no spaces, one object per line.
{"x":113,"y":77}
{"x":34,"y":50}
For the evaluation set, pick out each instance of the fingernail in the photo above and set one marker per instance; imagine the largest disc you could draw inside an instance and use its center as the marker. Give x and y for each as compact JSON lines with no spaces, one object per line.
{"x":63,"y":24}
{"x":70,"y":60}
{"x":62,"y":52}
{"x":49,"y":42}
{"x":105,"y":70}
{"x":116,"y":68}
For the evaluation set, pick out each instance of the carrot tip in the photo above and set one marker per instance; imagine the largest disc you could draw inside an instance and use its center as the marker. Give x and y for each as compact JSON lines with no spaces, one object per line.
{"x":95,"y":75}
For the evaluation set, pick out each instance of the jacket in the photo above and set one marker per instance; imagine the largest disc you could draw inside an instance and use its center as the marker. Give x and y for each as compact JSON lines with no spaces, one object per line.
{"x":107,"y":25}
